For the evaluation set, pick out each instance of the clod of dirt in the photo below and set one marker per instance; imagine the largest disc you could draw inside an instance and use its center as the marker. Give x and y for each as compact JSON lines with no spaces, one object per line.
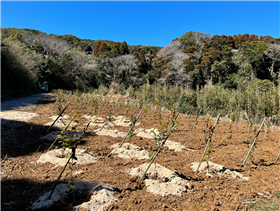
{"x":17,"y":115}
{"x":125,"y":122}
{"x":58,"y":157}
{"x":53,"y":135}
{"x":101,"y":197}
{"x":213,"y":168}
{"x":112,"y":133}
{"x":172,"y":184}
{"x":130,"y":151}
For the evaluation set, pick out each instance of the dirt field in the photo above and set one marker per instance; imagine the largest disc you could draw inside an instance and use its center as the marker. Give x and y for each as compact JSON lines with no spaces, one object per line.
{"x":254,"y":186}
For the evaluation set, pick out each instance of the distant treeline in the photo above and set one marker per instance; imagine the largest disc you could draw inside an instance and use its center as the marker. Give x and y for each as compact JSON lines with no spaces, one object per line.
{"x":195,"y":60}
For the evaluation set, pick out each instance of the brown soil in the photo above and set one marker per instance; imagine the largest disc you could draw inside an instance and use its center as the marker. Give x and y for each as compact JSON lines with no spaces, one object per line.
{"x":23,"y":181}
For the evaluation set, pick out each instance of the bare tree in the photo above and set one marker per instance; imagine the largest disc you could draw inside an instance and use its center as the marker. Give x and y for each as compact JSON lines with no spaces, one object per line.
{"x":49,"y":45}
{"x":27,"y":59}
{"x":273,"y":52}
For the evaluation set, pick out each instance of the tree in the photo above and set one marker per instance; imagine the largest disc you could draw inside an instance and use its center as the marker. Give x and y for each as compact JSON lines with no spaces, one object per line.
{"x":124,"y":48}
{"x":48,"y":45}
{"x":273,"y":52}
{"x":96,"y":49}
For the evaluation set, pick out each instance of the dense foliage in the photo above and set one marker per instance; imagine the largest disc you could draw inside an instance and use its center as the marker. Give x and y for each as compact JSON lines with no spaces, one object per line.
{"x":193,"y":61}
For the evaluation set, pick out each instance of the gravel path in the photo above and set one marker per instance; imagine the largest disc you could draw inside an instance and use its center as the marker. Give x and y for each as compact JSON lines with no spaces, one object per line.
{"x":20,"y":102}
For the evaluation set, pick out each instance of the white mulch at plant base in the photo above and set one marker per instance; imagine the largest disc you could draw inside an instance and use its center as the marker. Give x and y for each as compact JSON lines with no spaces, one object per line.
{"x":173,"y":185}
{"x":99,"y":125}
{"x":17,"y":115}
{"x":146,"y":133}
{"x":176,"y":146}
{"x":58,"y":157}
{"x":130,"y":151}
{"x":101,"y":196}
{"x":125,"y":122}
{"x":94,"y":118}
{"x":112,"y":133}
{"x":220,"y":170}
{"x":59,"y":123}
{"x":53,"y":135}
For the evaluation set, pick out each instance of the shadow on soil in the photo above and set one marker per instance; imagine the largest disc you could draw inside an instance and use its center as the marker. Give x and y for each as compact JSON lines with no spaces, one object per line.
{"x":20,"y":138}
{"x":18,"y":194}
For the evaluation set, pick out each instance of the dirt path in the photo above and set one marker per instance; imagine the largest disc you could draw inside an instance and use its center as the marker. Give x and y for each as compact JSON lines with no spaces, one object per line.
{"x":21,"y":102}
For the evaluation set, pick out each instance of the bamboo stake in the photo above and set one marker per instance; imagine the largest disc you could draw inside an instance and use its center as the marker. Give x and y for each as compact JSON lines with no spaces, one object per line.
{"x":57,"y":118}
{"x":132,"y":126}
{"x":162,"y":144}
{"x":208,"y":143}
{"x":253,"y":142}
{"x":196,"y":119}
{"x":110,"y":117}
{"x":206,"y":127}
{"x":128,"y":109}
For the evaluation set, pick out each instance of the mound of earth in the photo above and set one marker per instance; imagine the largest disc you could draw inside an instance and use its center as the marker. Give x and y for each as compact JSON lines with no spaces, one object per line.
{"x":112,"y":133}
{"x":96,"y":119}
{"x":167,"y":182}
{"x":130,"y":151}
{"x":58,"y":157}
{"x":124,"y":121}
{"x":61,"y":122}
{"x":213,"y":168}
{"x":101,"y":196}
{"x":53,"y":135}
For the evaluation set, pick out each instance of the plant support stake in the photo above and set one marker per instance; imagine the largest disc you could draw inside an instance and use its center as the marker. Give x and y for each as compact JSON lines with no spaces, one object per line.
{"x":132,"y":126}
{"x":208,"y":143}
{"x":56,"y":119}
{"x":253,"y":143}
{"x":110,"y":117}
{"x":158,"y":151}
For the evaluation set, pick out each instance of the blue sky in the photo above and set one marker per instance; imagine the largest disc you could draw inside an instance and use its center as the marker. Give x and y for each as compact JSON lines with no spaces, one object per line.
{"x":143,"y":22}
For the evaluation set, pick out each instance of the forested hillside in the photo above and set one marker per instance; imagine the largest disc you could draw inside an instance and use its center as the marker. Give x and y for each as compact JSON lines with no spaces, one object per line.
{"x":195,"y":61}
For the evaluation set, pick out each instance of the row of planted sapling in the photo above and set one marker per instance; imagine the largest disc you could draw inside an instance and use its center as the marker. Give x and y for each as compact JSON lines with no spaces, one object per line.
{"x":233,"y":117}
{"x":137,"y":110}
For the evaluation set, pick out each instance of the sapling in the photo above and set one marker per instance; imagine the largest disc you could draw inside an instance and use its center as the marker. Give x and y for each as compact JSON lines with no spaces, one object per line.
{"x":128,"y":107}
{"x":162,"y":138}
{"x":145,"y":111}
{"x":57,"y":118}
{"x":196,"y":117}
{"x":267,"y":125}
{"x":232,"y":119}
{"x":208,"y":144}
{"x":77,"y":113}
{"x":133,"y":123}
{"x":157,"y":107}
{"x":190,"y":116}
{"x":253,"y":144}
{"x":106,"y":102}
{"x":204,"y":131}
{"x":110,"y":116}
{"x":72,"y":144}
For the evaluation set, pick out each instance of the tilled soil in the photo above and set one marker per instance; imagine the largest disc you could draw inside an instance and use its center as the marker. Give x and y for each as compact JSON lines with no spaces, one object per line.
{"x":23,"y":180}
